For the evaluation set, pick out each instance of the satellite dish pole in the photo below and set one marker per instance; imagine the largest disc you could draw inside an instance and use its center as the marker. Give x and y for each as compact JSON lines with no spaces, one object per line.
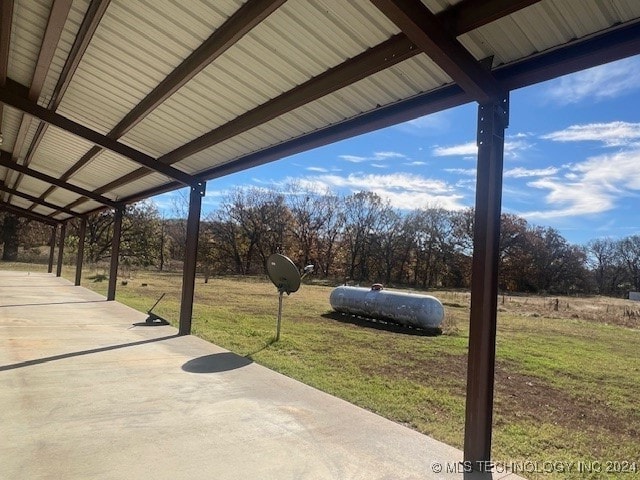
{"x":280,"y":293}
{"x":285,"y":276}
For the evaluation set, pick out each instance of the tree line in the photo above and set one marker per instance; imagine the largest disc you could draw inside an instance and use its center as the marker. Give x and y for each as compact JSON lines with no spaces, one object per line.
{"x":356,"y":238}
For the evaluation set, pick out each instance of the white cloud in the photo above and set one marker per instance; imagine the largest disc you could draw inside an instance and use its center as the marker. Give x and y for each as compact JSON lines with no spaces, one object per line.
{"x":512,"y":149}
{"x":415,"y":164}
{"x":402,"y":190}
{"x":379,"y":165}
{"x":317,"y":169}
{"x":467,"y":184}
{"x":353,"y":158}
{"x":594,"y":186}
{"x":469,"y":148}
{"x":520,"y":172}
{"x":376,"y":157}
{"x":385,"y":155}
{"x":571,"y":199}
{"x":598,"y":83}
{"x":613,"y":134}
{"x":471,"y":172}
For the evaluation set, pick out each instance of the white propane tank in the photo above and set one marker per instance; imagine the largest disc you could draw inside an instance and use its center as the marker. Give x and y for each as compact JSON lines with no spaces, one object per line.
{"x":409,"y":309}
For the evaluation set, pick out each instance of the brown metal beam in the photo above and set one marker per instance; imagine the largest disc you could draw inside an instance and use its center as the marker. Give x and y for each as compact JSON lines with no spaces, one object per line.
{"x":55,"y":25}
{"x":21,"y":212}
{"x":36,"y":200}
{"x":615,"y":44}
{"x":397,"y":49}
{"x":9,"y":96}
{"x":493,"y":118}
{"x":427,"y":32}
{"x":380,"y":57}
{"x":242,"y":21}
{"x":190,"y":258}
{"x":115,"y":253}
{"x":385,"y":55}
{"x":468,"y":15}
{"x":52,"y":247}
{"x":90,"y":23}
{"x":82,"y":233}
{"x":239,"y":24}
{"x":5,"y":161}
{"x":6,"y":18}
{"x":63,"y":234}
{"x":586,"y":53}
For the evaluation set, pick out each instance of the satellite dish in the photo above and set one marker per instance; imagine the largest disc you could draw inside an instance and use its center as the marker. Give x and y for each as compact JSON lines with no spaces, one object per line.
{"x":285,"y":276}
{"x":283,"y":273}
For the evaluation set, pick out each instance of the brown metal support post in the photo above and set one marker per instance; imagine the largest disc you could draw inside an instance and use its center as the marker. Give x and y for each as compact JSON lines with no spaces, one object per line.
{"x":115,"y":253}
{"x":52,"y":247}
{"x":63,"y":233}
{"x":190,"y":258}
{"x":81,"y":234}
{"x":493,"y":118}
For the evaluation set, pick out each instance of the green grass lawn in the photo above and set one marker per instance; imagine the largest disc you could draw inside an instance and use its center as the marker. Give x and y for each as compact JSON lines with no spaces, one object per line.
{"x":567,"y":381}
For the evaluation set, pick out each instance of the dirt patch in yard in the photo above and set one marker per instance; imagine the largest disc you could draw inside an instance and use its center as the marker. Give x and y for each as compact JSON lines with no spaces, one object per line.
{"x":518,"y":398}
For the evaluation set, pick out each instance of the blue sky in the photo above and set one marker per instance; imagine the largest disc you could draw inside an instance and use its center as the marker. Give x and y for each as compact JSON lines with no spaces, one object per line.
{"x":572,"y":158}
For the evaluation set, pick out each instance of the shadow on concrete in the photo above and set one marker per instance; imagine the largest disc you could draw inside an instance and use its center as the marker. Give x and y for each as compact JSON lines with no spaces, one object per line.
{"x":38,"y":361}
{"x":48,"y":287}
{"x":216,"y":362}
{"x":382,"y":325}
{"x":51,"y":303}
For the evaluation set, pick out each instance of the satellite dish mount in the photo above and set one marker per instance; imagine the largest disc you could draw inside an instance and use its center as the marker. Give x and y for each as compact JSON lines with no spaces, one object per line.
{"x":285,"y":276}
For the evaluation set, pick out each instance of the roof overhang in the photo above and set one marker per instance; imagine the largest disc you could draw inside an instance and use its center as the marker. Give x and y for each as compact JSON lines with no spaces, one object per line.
{"x":121,"y":101}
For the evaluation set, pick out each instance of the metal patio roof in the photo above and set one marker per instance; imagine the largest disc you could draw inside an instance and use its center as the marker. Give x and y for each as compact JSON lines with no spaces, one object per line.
{"x":109,"y":102}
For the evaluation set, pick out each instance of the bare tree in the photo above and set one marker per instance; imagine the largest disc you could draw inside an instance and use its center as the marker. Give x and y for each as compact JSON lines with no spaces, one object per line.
{"x":606,"y":265}
{"x":629,"y":252}
{"x":362,"y":216}
{"x":329,"y":233}
{"x":386,"y":245}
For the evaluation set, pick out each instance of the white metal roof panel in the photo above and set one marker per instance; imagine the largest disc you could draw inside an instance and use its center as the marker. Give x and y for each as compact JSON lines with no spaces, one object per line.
{"x":62,"y":197}
{"x":253,"y":71}
{"x":67,"y":38}
{"x":150,"y":181}
{"x":23,"y":203}
{"x":58,"y":152}
{"x":545,"y":25}
{"x":88,"y":206}
{"x":33,"y":186}
{"x":31,"y":125}
{"x":103,"y":169}
{"x":10,"y":124}
{"x":136,"y":45}
{"x":401,"y":81}
{"x":29,"y":23}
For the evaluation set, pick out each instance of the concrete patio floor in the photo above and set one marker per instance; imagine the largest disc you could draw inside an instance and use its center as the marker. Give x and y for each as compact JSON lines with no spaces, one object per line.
{"x":85,"y":393}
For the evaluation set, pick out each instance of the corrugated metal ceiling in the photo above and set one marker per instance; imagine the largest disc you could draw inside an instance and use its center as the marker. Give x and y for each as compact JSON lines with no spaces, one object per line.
{"x":289,"y":75}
